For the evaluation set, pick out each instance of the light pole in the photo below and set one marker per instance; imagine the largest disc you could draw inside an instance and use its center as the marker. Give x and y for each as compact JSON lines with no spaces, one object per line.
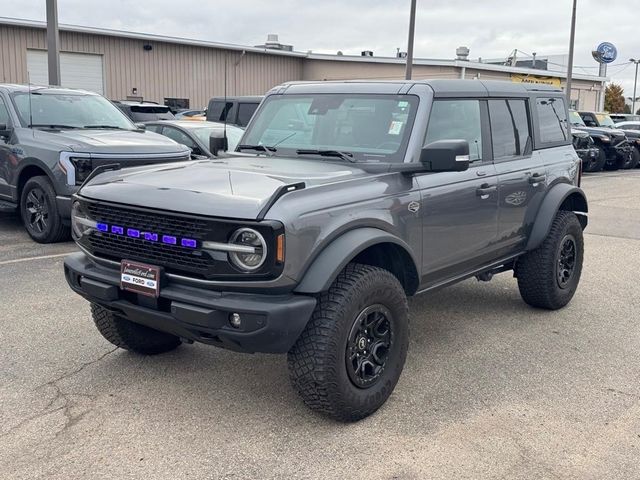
{"x":572,"y":38}
{"x":53,"y":43}
{"x":635,"y":84}
{"x":412,"y":27}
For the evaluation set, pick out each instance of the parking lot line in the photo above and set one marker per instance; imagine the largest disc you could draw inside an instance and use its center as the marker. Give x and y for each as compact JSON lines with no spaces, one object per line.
{"x":41,"y":257}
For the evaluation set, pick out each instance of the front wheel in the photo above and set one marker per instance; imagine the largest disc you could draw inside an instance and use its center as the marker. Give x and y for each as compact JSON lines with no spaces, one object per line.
{"x":634,"y":159}
{"x":596,"y":163}
{"x":548,"y":276}
{"x":39,"y":211}
{"x":349,"y":358}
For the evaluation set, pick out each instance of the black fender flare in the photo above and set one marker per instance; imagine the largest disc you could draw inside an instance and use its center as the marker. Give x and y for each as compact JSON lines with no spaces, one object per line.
{"x":334,"y":257}
{"x":561,"y":196}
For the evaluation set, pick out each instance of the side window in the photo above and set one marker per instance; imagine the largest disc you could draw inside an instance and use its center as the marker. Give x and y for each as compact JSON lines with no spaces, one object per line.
{"x":456,"y":119}
{"x":245,"y":112}
{"x":552,"y":118}
{"x":177,"y":136}
{"x":154,"y":128}
{"x":4,"y":114}
{"x":509,"y":128}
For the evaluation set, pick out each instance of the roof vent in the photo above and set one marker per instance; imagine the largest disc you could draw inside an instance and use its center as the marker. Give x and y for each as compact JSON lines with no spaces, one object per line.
{"x":273,"y":43}
{"x":462,"y":53}
{"x":367,"y":53}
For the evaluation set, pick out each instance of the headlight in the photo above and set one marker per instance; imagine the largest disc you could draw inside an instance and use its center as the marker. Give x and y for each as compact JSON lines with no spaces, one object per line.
{"x":80,"y":221}
{"x":251,"y":249}
{"x":83,"y":168}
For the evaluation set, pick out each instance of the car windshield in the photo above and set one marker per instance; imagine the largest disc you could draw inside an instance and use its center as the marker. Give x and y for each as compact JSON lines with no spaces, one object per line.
{"x":576,"y":119}
{"x":605,"y":120}
{"x":233,"y":135}
{"x":69,"y":110}
{"x":366,"y":127}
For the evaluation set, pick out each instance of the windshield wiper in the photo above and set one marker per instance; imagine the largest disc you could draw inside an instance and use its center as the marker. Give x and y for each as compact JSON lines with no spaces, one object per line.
{"x":105,"y":127}
{"x":259,"y":148}
{"x":329,"y":153}
{"x":50,"y":125}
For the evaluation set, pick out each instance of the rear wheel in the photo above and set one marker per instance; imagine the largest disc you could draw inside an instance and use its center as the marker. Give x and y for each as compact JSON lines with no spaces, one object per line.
{"x":39,"y":211}
{"x":350,"y":356}
{"x":548,"y":276}
{"x":131,"y":336}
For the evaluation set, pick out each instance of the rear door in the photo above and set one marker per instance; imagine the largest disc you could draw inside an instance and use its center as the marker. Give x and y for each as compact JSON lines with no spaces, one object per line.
{"x":521,"y":174}
{"x":8,"y":161}
{"x":459,"y":209}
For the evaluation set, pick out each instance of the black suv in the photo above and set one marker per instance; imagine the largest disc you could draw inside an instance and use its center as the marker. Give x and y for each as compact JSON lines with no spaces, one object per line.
{"x":342,"y":199}
{"x":614,"y":149}
{"x":51,"y":139}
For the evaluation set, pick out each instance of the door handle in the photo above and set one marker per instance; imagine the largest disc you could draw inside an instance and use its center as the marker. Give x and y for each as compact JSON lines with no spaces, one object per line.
{"x":485,"y":190}
{"x":536,"y":178}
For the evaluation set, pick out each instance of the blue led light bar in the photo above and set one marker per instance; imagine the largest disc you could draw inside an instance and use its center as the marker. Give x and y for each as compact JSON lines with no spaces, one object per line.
{"x":151,"y":237}
{"x":132,"y":232}
{"x":118,"y":230}
{"x":103,"y":227}
{"x":188,"y":242}
{"x":169,"y":239}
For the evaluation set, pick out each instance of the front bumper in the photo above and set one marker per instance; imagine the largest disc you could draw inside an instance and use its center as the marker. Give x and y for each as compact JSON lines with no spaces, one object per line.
{"x":270,"y":323}
{"x":587,"y":154}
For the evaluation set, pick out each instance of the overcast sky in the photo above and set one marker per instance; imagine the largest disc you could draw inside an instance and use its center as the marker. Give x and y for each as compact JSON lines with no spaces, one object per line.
{"x":490,"y":28}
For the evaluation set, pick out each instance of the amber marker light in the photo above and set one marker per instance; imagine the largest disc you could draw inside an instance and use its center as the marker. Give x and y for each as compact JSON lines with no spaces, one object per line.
{"x":280,"y":248}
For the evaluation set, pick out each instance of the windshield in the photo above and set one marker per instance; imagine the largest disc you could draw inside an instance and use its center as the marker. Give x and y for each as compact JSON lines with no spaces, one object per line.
{"x":576,"y":119}
{"x":369,"y":127}
{"x":71,"y":110}
{"x":605,"y":120}
{"x":233,"y":135}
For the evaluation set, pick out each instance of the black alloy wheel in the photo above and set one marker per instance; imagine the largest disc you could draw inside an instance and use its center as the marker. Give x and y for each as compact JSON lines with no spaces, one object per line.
{"x":37,"y":210}
{"x":566,"y":261}
{"x":368,"y":345}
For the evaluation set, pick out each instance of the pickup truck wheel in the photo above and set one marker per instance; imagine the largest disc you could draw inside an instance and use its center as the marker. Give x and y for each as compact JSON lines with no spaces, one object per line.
{"x":548,"y":276}
{"x":39,"y":211}
{"x":131,"y":336}
{"x":349,"y":358}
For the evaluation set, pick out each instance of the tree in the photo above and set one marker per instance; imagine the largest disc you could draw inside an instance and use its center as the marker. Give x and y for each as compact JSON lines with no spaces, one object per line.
{"x":614,"y":98}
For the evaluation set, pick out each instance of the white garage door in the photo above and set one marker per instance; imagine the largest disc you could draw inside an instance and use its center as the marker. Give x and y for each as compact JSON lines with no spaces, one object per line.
{"x":77,"y":70}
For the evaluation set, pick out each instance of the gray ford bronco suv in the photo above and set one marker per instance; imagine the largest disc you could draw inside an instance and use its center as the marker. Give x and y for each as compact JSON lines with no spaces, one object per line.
{"x":51,"y":139}
{"x":341,"y":200}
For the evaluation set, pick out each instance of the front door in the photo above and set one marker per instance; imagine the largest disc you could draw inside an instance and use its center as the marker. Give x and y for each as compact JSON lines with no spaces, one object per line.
{"x":8,"y":161}
{"x":459,"y":209}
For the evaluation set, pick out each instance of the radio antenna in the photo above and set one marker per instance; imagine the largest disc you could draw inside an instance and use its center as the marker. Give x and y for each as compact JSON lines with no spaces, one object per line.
{"x":30,"y":108}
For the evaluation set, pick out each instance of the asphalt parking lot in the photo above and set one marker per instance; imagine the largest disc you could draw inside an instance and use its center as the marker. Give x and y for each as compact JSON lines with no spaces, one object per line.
{"x":491,"y":388}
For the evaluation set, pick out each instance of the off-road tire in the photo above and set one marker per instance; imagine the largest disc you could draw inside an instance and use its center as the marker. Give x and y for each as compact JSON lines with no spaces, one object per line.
{"x":616,"y":163}
{"x":596,"y":164}
{"x":635,"y":158}
{"x":55,"y":230}
{"x":317,"y":362}
{"x":131,"y":336}
{"x":537,"y":271}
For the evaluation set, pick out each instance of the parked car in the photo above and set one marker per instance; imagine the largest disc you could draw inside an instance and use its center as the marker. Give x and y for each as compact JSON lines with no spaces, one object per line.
{"x":624,"y":117}
{"x":235,"y":110}
{"x":186,"y":114}
{"x":309,"y":241}
{"x":614,"y":150}
{"x":628,"y":125}
{"x":144,"y":111}
{"x":196,"y":135}
{"x":52,"y":139}
{"x":633,"y":137}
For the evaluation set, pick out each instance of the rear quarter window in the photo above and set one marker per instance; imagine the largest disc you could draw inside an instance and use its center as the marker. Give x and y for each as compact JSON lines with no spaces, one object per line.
{"x":552,"y":120}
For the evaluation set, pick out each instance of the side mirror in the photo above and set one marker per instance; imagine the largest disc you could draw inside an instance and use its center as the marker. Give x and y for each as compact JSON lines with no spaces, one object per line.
{"x":446,"y":156}
{"x":141,"y":126}
{"x":4,"y":131}
{"x":217,"y":142}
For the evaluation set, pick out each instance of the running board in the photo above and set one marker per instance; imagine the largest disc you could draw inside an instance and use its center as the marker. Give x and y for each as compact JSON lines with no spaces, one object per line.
{"x":7,"y":207}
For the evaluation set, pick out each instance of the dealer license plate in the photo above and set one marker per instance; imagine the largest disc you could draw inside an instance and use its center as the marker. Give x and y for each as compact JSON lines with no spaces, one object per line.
{"x":140,"y":278}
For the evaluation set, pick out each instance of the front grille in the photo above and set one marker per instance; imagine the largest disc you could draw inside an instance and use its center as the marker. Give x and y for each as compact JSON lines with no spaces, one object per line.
{"x":175,"y":258}
{"x":154,"y":222}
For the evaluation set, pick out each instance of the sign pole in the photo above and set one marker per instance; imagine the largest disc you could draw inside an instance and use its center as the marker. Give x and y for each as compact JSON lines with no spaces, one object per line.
{"x":53,"y":42}
{"x":412,"y":27}
{"x":571,"y":44}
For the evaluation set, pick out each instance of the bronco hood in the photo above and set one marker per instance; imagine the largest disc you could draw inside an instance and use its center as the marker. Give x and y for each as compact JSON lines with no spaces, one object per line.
{"x":108,"y":141}
{"x":234,"y":187}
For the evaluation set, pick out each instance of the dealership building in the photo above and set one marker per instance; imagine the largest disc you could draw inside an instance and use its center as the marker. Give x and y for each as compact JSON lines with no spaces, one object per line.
{"x":183,"y":72}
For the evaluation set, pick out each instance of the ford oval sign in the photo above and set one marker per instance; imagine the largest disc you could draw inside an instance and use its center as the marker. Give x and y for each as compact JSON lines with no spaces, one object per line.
{"x":607,"y":52}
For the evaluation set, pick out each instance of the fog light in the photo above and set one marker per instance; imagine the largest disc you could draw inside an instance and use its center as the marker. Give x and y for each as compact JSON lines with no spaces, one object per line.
{"x":234,"y":320}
